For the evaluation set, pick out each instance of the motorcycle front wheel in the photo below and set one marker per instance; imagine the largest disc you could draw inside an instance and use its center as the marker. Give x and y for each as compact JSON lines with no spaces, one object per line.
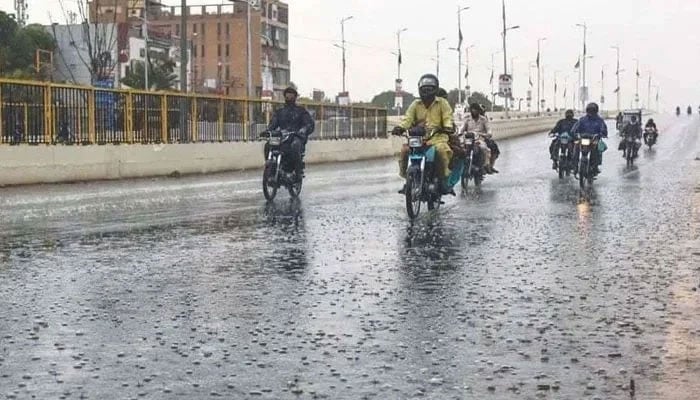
{"x":268,"y":181}
{"x":413,"y":192}
{"x":583,"y":174}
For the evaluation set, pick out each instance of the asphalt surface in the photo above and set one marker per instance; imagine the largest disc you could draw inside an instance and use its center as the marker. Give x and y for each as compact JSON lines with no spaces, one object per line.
{"x":195,"y":288}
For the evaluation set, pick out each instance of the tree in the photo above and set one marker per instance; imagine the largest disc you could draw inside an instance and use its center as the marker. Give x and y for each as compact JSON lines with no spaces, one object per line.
{"x":480,"y":98}
{"x":98,"y":37}
{"x":161,"y":75}
{"x":19,"y":45}
{"x":453,"y":97}
{"x":386,"y":99}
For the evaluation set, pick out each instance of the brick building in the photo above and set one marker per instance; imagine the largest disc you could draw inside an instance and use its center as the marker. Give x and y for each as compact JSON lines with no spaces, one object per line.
{"x":217,"y":38}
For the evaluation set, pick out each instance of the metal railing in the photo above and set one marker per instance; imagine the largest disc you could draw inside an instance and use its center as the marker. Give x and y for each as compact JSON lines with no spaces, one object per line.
{"x":47,"y":113}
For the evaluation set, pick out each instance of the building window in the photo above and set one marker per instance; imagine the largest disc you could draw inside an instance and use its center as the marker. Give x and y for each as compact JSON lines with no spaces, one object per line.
{"x":227,"y":50}
{"x":228,"y":73}
{"x":202,"y":55}
{"x":218,"y":29}
{"x":177,"y":29}
{"x":218,"y":50}
{"x":194,"y":28}
{"x":228,"y":30}
{"x":194,"y":51}
{"x":203,"y":30}
{"x":142,"y":53}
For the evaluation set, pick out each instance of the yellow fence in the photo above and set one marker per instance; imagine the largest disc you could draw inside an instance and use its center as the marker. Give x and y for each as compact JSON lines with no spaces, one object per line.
{"x":43,"y":113}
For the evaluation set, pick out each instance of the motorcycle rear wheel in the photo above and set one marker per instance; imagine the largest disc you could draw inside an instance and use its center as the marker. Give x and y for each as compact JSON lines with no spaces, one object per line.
{"x":269,"y":189}
{"x":413,"y":192}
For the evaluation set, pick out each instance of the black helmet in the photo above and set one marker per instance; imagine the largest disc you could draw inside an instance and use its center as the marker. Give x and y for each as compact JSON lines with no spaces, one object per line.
{"x":633,"y":119}
{"x":592,"y":108}
{"x":651,"y":121}
{"x":428,"y":85}
{"x":476,"y":107}
{"x":569,"y":113}
{"x":442,"y":93}
{"x":292,"y":90}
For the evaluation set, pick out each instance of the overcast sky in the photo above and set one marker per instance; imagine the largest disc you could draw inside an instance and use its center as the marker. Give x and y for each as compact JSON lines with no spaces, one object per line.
{"x":662,"y":34}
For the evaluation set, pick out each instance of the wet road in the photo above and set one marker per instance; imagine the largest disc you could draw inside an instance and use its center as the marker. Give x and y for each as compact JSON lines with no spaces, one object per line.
{"x":195,"y":288}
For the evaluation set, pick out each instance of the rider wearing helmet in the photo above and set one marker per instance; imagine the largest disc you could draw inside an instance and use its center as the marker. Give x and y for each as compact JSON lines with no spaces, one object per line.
{"x":294,"y":118}
{"x":478,"y":124}
{"x":631,"y":130}
{"x":563,"y":126}
{"x":429,"y":116}
{"x":592,"y":124}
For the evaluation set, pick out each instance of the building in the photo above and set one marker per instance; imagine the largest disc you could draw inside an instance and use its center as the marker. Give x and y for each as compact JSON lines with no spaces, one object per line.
{"x":117,"y":46}
{"x":217,"y":35}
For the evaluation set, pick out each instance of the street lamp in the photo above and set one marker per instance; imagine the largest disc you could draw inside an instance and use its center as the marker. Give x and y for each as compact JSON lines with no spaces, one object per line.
{"x":493,"y":69}
{"x":505,"y":51}
{"x":459,"y":51}
{"x":636,"y":93}
{"x":539,"y":61}
{"x":398,"y":41}
{"x":584,"y":94}
{"x":342,"y":33}
{"x":437,"y":59}
{"x":617,"y":73}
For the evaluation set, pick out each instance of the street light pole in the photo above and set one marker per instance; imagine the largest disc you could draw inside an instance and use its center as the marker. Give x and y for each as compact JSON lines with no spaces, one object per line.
{"x":145,"y":37}
{"x":459,"y":51}
{"x":398,"y":42}
{"x":617,"y":73}
{"x":585,"y":91}
{"x":342,"y":34}
{"x":437,"y":60}
{"x":466,"y":77}
{"x":649,"y":93}
{"x":602,"y":86}
{"x":636,"y":93}
{"x":539,"y":61}
{"x":184,"y":57}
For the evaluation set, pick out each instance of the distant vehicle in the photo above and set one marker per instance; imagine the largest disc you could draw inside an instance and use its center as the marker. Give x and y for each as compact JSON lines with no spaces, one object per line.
{"x":690,"y":110}
{"x":627,"y":118}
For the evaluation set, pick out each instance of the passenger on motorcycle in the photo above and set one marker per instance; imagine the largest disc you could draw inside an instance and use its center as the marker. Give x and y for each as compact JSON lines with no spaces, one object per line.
{"x":429,"y":116}
{"x":563,"y":126}
{"x":651,"y":125}
{"x":592,"y":124}
{"x":631,"y":130}
{"x":292,"y":117}
{"x":478,"y":124}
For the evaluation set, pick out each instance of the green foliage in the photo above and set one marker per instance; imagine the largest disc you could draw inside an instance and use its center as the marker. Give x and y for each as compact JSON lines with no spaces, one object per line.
{"x":19,"y":45}
{"x":161,"y":75}
{"x":386,"y":99}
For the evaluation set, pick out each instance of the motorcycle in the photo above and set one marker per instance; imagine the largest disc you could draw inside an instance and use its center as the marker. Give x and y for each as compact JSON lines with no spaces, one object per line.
{"x":678,"y":111}
{"x":422,"y":184}
{"x":587,"y":144}
{"x":279,"y":171}
{"x":690,"y":111}
{"x":565,"y":149}
{"x":472,"y":169}
{"x":630,"y":149}
{"x":650,"y":136}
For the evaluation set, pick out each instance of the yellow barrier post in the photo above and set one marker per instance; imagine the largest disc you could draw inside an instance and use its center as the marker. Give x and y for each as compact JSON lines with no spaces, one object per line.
{"x":321,"y":119}
{"x":91,"y":116}
{"x":194,"y":120}
{"x":49,"y":122}
{"x":26,"y":123}
{"x":2,"y":120}
{"x":164,"y":119}
{"x":246,"y":118}
{"x":129,"y":118}
{"x":220,"y":121}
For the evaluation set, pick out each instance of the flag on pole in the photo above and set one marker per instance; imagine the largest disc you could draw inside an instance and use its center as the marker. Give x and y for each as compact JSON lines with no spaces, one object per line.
{"x":459,"y":45}
{"x":491,"y":79}
{"x":538,"y":59}
{"x":584,"y":49}
{"x":617,"y":90}
{"x":564,"y":92}
{"x":555,"y":87}
{"x":657,"y":95}
{"x":638,"y":74}
{"x":466,"y":73}
{"x":578,"y":63}
{"x":530,"y":79}
{"x":400,"y":57}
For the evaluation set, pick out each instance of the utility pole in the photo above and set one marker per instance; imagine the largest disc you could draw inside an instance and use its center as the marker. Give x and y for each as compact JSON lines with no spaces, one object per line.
{"x":602,"y":86}
{"x":184,"y":57}
{"x":249,"y":54}
{"x":466,"y":76}
{"x":555,"y":89}
{"x":398,"y":40}
{"x":617,"y":73}
{"x":649,"y":93}
{"x":437,"y":60}
{"x":539,"y":69}
{"x":505,"y":54}
{"x":145,"y":37}
{"x":21,"y":12}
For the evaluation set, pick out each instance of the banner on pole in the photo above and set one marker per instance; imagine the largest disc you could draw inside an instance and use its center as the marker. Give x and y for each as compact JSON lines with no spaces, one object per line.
{"x":505,"y":86}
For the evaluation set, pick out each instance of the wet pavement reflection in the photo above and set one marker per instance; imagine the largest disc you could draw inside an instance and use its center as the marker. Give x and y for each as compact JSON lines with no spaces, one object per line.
{"x":196,"y":288}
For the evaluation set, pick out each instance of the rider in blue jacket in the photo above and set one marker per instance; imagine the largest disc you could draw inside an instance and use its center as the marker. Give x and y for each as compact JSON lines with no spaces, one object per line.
{"x":592,"y":125}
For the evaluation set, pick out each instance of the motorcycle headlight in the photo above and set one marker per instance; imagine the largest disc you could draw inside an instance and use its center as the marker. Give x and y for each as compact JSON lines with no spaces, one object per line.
{"x":585,"y":142}
{"x":415,"y":142}
{"x":275,"y":141}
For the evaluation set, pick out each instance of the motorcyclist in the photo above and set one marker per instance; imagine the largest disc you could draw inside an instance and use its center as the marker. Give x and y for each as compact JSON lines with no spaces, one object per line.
{"x":619,"y":121}
{"x":592,"y":124}
{"x":429,"y":116}
{"x":651,"y":125}
{"x":563,"y":126}
{"x":478,"y":124}
{"x":632,"y":130}
{"x":678,"y":110}
{"x":690,"y":110}
{"x":292,"y":117}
